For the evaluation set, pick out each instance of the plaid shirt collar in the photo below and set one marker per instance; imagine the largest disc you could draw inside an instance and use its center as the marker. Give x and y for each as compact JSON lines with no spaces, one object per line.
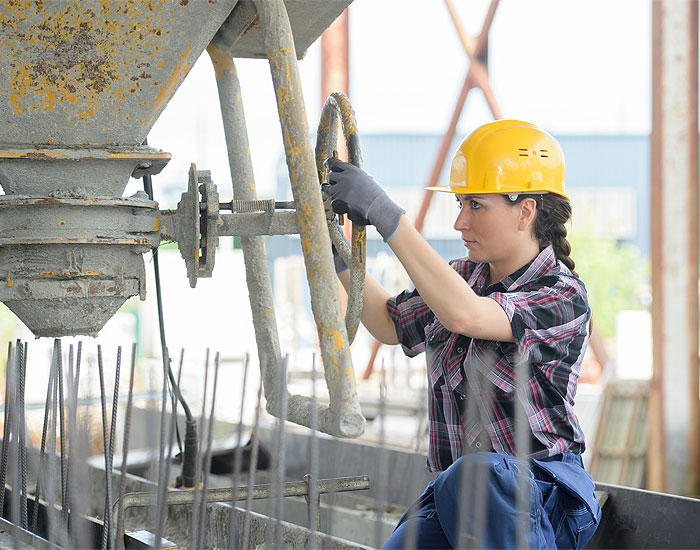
{"x":543,"y":262}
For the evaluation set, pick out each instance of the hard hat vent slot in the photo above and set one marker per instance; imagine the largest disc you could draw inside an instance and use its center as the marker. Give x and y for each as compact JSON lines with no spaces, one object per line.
{"x":544,"y":153}
{"x":522,"y":152}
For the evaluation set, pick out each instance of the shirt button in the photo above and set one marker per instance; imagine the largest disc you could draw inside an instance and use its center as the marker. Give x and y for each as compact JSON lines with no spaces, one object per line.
{"x":460,"y":350}
{"x":477,"y":444}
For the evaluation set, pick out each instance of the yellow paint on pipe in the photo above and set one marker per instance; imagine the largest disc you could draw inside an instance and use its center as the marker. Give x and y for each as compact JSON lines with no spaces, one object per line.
{"x":221,"y":60}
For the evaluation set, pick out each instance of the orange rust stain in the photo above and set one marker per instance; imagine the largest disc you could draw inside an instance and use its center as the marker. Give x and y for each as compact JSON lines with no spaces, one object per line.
{"x":61,"y":223}
{"x":84,"y":53}
{"x":92,"y":272}
{"x":221,"y":60}
{"x":168,"y":89}
{"x":338,"y":339}
{"x":156,"y":226}
{"x":10,"y":283}
{"x":48,"y":272}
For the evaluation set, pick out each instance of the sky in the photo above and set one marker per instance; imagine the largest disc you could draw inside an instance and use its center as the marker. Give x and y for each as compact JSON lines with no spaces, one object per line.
{"x":571,"y":67}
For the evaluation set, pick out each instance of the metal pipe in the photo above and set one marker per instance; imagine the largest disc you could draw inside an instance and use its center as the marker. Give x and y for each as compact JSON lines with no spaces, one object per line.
{"x":338,"y":105}
{"x":253,"y":247}
{"x":226,"y":494}
{"x":343,"y":417}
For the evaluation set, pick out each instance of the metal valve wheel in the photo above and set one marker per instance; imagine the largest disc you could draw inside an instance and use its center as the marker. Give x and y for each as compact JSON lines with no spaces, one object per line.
{"x":338,"y":106}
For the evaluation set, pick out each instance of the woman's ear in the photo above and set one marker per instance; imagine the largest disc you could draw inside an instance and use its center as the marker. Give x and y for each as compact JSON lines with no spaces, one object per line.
{"x":528,"y":211}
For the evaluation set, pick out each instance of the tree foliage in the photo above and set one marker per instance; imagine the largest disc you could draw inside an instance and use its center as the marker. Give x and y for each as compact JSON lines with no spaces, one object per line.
{"x":616,"y":275}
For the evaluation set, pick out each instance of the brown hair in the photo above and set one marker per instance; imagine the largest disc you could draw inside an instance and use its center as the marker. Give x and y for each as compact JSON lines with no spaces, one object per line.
{"x":553,"y":211}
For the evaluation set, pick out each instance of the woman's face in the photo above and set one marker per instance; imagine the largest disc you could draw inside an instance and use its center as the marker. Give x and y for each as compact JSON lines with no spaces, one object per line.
{"x":491,"y":228}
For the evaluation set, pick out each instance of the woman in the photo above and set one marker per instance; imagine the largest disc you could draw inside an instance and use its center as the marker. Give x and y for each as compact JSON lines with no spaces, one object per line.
{"x":504,"y":331}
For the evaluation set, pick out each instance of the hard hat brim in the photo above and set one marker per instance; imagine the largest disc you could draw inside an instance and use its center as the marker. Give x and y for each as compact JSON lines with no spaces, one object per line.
{"x":467,"y":191}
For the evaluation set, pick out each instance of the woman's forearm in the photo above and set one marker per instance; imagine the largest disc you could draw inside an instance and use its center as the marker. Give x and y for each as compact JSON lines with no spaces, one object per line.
{"x":447,"y":294}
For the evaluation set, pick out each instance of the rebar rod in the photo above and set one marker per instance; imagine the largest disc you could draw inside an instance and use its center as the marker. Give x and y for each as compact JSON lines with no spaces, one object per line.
{"x":194,"y":535}
{"x":125,"y":442}
{"x":238,"y":457}
{"x":42,"y":450}
{"x":276,"y":503}
{"x":72,"y":436}
{"x":22,"y":363}
{"x":162,"y":487}
{"x":6,"y":427}
{"x":314,"y":497}
{"x":50,"y":473}
{"x":14,"y":444}
{"x":110,"y":449}
{"x":76,"y":382}
{"x":207,"y":457}
{"x":523,"y":447}
{"x":253,"y":466}
{"x":382,"y":460}
{"x":105,"y":436}
{"x":62,"y":434}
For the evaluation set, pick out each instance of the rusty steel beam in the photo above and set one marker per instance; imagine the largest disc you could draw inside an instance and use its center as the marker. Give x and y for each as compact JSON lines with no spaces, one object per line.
{"x":674,"y":411}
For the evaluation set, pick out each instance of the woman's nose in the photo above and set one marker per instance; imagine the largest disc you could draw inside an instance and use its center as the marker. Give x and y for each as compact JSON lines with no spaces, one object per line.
{"x":462,"y":221}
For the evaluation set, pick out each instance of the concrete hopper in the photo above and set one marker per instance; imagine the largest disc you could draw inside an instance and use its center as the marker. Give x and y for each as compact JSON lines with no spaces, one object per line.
{"x":82,"y":82}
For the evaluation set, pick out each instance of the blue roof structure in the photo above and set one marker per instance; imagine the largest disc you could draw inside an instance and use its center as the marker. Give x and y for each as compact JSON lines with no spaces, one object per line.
{"x":594,"y":163}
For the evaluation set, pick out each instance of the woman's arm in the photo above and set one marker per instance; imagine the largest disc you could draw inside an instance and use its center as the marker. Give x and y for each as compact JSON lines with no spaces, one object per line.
{"x":374,"y":316}
{"x":447,"y":294}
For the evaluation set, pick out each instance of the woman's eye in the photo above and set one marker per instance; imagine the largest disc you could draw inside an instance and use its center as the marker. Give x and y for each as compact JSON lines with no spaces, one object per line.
{"x":459,"y":203}
{"x":474,"y":205}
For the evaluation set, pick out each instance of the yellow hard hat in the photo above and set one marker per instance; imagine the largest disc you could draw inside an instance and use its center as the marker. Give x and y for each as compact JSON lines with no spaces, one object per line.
{"x":507,"y":157}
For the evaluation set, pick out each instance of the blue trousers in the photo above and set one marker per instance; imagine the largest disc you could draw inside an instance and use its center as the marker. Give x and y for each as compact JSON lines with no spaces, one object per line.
{"x":562,"y":510}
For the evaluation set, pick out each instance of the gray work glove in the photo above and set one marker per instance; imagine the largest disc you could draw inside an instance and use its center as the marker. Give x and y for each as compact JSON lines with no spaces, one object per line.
{"x":355,"y":193}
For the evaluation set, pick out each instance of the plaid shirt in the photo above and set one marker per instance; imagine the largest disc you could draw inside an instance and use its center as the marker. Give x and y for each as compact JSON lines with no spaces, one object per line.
{"x":473,"y":387}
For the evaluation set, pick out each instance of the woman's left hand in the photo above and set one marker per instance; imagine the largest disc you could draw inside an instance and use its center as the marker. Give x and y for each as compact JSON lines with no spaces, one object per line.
{"x":355,"y":193}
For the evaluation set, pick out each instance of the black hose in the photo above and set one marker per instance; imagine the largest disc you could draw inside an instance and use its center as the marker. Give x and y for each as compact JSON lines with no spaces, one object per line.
{"x":189,"y":455}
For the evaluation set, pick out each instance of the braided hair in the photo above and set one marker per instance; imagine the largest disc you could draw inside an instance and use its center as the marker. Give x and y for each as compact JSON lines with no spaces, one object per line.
{"x":553,"y":211}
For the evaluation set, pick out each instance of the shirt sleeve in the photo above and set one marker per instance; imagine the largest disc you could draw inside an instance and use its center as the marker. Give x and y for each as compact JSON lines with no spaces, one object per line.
{"x":411,"y":315}
{"x":549,"y":321}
